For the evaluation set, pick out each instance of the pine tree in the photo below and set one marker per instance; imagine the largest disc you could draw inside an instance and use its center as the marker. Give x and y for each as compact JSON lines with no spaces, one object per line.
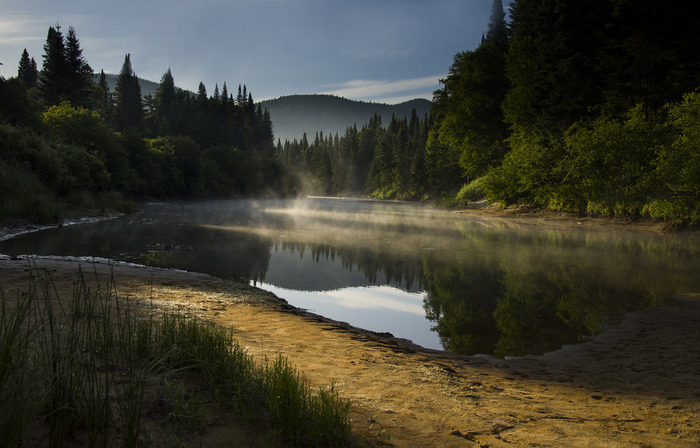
{"x":27,"y":70}
{"x":79,"y":84}
{"x":239,"y":97}
{"x":165,"y":103}
{"x":129,"y":106}
{"x":53,"y":75}
{"x":469,"y":121}
{"x":497,"y":22}
{"x":202,"y":93}
{"x":106,"y":99}
{"x":224,"y":95}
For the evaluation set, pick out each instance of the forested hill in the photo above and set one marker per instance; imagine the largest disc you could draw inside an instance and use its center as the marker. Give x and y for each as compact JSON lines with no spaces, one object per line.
{"x":147,"y":87}
{"x":294,"y":115}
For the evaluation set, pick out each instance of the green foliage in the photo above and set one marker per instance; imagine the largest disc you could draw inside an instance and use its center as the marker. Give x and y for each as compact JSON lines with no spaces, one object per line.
{"x":17,"y":107}
{"x":198,"y":147}
{"x":77,"y":125}
{"x":81,"y":366}
{"x":608,"y":168}
{"x":678,"y":165}
{"x":580,"y":121}
{"x":473,"y":191}
{"x":467,"y":111}
{"x":527,"y":174}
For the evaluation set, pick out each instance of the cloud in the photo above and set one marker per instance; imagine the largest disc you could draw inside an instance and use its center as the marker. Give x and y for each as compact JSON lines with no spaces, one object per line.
{"x":387,"y":91}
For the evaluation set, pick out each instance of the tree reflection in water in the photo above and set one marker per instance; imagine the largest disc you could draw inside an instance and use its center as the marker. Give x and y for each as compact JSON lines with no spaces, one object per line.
{"x":500,"y":287}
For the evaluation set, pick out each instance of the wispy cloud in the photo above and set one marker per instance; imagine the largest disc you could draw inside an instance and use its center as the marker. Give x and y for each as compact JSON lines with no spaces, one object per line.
{"x":387,"y":91}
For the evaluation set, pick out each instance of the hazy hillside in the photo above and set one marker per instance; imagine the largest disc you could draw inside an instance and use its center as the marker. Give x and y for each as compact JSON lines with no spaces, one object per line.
{"x":147,"y":87}
{"x":295,"y":114}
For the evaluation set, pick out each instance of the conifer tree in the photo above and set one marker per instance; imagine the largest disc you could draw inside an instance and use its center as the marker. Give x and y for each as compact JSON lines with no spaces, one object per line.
{"x":129,"y":106}
{"x":165,"y":103}
{"x":224,"y":95}
{"x":497,"y":22}
{"x":239,"y":97}
{"x":79,"y":84}
{"x":27,"y":70}
{"x":53,"y":75}
{"x":106,"y":99}
{"x":202,"y":93}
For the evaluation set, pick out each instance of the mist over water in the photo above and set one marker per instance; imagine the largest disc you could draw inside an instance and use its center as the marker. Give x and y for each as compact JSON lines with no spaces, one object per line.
{"x":443,"y":280}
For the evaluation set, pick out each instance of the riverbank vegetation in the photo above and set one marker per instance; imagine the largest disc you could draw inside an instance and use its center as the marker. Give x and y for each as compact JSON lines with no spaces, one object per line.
{"x":588,"y":108}
{"x":585,"y":107}
{"x":68,"y":141}
{"x":101,"y":370}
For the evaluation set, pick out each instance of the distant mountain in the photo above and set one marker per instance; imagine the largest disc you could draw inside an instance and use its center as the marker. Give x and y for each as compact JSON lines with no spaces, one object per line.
{"x":147,"y":87}
{"x":294,"y":115}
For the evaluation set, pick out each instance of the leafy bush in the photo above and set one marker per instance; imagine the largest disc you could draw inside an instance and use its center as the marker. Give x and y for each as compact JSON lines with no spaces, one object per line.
{"x":473,"y":191}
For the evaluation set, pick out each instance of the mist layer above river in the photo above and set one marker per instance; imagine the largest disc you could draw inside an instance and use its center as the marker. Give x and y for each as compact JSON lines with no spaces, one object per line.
{"x":444,"y":280}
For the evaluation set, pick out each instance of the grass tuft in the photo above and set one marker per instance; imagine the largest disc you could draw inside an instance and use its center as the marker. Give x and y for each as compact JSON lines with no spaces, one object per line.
{"x":91,"y":370}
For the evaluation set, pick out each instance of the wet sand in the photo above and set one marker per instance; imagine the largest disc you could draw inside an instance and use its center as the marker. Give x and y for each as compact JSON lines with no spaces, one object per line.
{"x":637,"y":384}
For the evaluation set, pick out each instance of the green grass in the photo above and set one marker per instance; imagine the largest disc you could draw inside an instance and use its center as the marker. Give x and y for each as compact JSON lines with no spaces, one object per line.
{"x":99,"y":370}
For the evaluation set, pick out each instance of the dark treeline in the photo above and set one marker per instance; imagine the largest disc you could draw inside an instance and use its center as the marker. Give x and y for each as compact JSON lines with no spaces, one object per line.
{"x":589,"y":107}
{"x":382,"y":161}
{"x":65,"y":139}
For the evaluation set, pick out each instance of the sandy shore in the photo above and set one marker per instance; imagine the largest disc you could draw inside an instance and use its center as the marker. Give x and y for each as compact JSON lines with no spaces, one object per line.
{"x":638,"y":384}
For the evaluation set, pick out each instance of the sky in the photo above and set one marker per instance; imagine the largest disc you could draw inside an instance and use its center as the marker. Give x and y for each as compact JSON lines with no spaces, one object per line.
{"x":370,"y":50}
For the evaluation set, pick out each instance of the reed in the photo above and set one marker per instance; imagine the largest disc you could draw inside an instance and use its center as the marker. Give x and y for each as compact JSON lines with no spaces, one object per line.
{"x":86,"y":369}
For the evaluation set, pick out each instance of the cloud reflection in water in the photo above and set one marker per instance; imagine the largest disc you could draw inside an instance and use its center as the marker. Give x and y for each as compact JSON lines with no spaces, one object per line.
{"x":379,"y":308}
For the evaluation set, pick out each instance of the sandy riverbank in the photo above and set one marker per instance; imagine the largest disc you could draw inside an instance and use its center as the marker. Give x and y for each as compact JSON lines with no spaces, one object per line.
{"x":635,"y":385}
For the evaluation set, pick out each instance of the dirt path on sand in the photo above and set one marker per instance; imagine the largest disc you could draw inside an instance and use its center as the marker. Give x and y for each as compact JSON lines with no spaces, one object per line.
{"x":638,"y":384}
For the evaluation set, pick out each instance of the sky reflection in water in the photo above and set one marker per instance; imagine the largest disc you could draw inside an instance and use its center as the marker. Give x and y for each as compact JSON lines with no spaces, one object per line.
{"x":379,"y":308}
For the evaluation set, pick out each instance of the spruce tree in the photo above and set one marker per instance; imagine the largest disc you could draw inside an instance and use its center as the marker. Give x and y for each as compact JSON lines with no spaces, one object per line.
{"x":468,"y":110}
{"x":497,"y":22}
{"x":202,"y":93}
{"x":129,"y":106}
{"x":53,"y":75}
{"x":27,"y":70}
{"x":79,"y":84}
{"x":106,"y":99}
{"x":224,"y":95}
{"x":165,"y":103}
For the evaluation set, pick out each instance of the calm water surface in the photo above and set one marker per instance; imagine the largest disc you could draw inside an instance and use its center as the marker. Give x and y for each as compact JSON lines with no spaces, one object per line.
{"x":443,"y":280}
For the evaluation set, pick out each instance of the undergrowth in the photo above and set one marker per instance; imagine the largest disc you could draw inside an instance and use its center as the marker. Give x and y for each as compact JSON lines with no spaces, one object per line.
{"x":97,"y":369}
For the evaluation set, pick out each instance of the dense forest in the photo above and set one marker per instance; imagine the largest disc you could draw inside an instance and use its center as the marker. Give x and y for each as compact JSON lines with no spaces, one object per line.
{"x":589,"y":107}
{"x":67,"y":141}
{"x":294,"y":115}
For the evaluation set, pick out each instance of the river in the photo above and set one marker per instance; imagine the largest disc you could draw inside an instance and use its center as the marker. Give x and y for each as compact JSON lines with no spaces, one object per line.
{"x":459,"y":282}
